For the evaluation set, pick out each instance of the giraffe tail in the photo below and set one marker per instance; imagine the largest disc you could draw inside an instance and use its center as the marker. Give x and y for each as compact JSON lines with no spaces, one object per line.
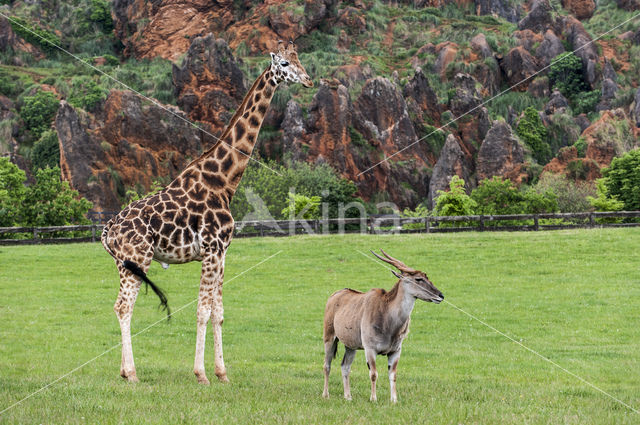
{"x":136,"y":270}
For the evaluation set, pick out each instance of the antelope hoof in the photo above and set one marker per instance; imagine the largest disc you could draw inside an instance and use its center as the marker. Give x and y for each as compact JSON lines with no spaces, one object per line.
{"x":129,"y":376}
{"x":202,"y":378}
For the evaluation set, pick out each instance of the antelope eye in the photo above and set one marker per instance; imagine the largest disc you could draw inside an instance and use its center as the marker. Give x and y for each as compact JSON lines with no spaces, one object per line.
{"x":284,"y":63}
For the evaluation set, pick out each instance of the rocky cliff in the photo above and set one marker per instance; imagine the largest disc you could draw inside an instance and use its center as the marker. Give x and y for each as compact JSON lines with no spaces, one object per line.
{"x":404,"y":87}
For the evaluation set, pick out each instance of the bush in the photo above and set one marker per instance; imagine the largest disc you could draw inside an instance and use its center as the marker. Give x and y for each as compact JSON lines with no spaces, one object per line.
{"x":38,"y":111}
{"x":571,"y":196}
{"x":45,"y":39}
{"x":100,"y":13}
{"x":498,"y":196}
{"x":455,"y":201}
{"x":622,"y":180}
{"x":603,"y":201}
{"x":533,"y":132}
{"x":263,"y":194}
{"x":86,"y":93}
{"x":51,"y":202}
{"x":302,"y":207}
{"x":12,"y":192}
{"x":46,"y":151}
{"x":565,"y":74}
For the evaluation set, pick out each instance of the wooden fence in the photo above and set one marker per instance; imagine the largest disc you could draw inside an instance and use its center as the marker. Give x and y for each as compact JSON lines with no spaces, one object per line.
{"x":373,"y":224}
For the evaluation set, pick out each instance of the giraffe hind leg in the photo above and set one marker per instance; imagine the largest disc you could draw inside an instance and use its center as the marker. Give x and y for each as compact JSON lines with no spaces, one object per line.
{"x":136,"y":270}
{"x":129,"y":288}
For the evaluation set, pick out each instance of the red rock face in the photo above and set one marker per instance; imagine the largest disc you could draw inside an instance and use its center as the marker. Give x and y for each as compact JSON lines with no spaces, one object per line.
{"x":608,"y":137}
{"x":124,"y":146}
{"x":581,"y":9}
{"x":209,"y":84}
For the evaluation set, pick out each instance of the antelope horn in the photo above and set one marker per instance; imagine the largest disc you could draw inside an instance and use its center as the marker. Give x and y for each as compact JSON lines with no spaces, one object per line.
{"x":399,"y":264}
{"x":396,"y":263}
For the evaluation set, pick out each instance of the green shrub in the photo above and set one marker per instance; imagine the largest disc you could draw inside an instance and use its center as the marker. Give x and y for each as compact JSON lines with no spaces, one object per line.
{"x":533,"y":132}
{"x":46,"y":151}
{"x":86,"y":93}
{"x":302,"y":207}
{"x":603,"y":201}
{"x":497,"y":196}
{"x":12,"y":192}
{"x":571,"y":196}
{"x":565,"y":74}
{"x":51,"y":202}
{"x":269,"y":192}
{"x":622,"y":180}
{"x":581,"y":147}
{"x":100,"y":13}
{"x":455,"y":201}
{"x":38,"y":112}
{"x":35,"y":35}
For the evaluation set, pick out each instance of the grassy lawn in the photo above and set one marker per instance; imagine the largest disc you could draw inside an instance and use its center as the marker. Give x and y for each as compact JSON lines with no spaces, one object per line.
{"x":570,"y":295}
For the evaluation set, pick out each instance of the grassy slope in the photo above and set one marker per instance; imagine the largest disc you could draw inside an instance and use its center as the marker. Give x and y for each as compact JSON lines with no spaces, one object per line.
{"x":569,"y":295}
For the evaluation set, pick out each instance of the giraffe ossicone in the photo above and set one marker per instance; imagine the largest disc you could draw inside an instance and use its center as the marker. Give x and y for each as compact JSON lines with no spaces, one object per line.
{"x":190,"y":220}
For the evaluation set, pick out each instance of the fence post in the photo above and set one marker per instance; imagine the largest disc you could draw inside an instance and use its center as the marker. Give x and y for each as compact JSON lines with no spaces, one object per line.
{"x":35,"y":233}
{"x":427,"y":224}
{"x":370,"y":224}
{"x":482,"y":223}
{"x":536,"y":224}
{"x":592,"y":220}
{"x":93,"y":232}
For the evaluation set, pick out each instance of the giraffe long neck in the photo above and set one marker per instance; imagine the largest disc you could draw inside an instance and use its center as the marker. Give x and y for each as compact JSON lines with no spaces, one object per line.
{"x":222,"y":166}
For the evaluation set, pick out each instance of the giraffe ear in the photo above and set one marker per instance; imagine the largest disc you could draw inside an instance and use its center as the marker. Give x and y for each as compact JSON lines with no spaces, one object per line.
{"x":274,"y":57}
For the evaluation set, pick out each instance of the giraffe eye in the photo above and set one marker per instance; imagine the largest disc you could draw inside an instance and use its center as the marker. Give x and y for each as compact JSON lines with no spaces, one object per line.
{"x":284,"y":63}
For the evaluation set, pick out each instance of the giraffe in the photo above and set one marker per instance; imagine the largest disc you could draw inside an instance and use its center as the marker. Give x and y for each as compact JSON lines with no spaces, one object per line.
{"x":189,"y":220}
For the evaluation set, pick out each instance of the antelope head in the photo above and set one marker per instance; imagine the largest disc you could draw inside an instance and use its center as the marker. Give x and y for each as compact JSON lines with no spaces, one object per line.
{"x":415,"y":282}
{"x":287,"y":67}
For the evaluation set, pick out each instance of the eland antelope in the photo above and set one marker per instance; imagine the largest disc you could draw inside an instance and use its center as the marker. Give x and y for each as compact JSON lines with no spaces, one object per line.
{"x":376,"y":322}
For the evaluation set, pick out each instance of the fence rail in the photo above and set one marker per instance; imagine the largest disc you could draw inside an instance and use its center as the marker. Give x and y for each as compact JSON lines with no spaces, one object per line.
{"x":371,"y":224}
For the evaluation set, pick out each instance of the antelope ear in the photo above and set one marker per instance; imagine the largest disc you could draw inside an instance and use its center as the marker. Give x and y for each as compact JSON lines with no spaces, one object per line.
{"x":399,"y":276}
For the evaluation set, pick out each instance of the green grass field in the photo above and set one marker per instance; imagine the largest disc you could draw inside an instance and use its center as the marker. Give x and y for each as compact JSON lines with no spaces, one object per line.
{"x":572,"y":296}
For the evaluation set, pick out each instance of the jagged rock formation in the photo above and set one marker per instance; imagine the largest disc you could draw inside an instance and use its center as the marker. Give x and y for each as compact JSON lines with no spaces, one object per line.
{"x":501,"y":154}
{"x":209,"y":84}
{"x":581,"y":9}
{"x":453,"y":161}
{"x":126,"y":144}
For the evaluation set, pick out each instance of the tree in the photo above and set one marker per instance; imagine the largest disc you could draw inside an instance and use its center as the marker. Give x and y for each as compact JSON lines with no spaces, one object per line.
{"x":38,"y":111}
{"x":12,"y":192}
{"x":604,"y":202}
{"x":566,"y":75}
{"x":46,"y":151}
{"x":272,"y":190}
{"x":533,"y":132}
{"x":622,"y":180}
{"x":302,"y":207}
{"x":455,"y":201}
{"x":497,"y":196}
{"x":51,"y":202}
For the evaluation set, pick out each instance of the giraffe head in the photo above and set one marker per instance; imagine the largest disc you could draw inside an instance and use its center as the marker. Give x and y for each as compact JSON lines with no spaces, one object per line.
{"x":286,"y":66}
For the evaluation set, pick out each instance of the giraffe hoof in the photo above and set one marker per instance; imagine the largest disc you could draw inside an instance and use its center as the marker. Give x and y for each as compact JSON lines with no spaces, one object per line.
{"x":129,"y":376}
{"x":223,"y":378}
{"x":202,"y":379}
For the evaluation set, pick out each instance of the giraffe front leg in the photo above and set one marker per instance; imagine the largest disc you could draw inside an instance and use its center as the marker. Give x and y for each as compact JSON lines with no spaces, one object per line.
{"x":217,"y":318}
{"x":210,"y":307}
{"x":203,"y":313}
